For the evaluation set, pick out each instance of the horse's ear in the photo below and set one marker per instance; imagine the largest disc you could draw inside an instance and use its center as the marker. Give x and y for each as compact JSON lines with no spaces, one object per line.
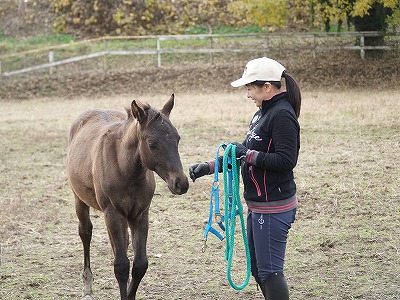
{"x":166,"y":110}
{"x":137,"y":111}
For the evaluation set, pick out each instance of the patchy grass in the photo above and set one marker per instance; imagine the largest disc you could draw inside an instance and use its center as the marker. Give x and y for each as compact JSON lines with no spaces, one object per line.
{"x":343,"y":245}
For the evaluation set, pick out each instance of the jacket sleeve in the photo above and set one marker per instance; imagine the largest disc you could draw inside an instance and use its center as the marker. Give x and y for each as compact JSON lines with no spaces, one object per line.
{"x":285,"y":143}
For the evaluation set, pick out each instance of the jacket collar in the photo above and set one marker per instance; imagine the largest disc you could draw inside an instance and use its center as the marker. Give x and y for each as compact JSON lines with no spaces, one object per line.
{"x":267,"y":104}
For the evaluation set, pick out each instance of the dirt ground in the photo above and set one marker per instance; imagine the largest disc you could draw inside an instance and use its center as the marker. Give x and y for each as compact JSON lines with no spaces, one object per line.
{"x":343,"y":245}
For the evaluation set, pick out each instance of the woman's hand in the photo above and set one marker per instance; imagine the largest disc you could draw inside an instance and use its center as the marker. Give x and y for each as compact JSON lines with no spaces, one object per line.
{"x":199,"y":170}
{"x":241,"y":150}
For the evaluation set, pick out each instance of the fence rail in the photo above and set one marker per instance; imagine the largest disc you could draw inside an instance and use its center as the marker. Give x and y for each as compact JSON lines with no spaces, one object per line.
{"x":215,"y":43}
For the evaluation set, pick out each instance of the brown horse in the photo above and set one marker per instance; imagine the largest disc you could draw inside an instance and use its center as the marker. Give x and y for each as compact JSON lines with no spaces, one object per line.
{"x":110,"y":163}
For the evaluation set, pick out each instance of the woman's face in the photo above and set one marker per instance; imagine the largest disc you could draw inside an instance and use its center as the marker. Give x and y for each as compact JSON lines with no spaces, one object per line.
{"x":258,"y":93}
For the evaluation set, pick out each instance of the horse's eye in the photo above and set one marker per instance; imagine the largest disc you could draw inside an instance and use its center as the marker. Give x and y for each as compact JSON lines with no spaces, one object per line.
{"x":153,"y":145}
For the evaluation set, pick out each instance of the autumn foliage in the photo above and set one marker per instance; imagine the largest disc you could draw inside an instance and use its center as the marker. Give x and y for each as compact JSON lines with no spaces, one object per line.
{"x":141,"y":17}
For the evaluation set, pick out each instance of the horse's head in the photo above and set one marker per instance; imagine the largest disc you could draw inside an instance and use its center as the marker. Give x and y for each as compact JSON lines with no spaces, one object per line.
{"x":159,"y":141}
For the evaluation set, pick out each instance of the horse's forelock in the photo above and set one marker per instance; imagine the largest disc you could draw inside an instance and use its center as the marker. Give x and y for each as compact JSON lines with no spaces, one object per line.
{"x":154,"y":115}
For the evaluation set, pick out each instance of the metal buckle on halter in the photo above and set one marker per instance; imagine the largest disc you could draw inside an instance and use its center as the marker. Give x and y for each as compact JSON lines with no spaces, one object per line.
{"x":218,"y":218}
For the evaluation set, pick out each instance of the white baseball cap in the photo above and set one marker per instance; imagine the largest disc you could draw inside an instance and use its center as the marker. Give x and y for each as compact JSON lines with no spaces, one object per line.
{"x":263,"y":69}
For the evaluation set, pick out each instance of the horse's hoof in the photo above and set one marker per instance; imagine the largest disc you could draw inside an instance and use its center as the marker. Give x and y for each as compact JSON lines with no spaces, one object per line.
{"x":87,"y":297}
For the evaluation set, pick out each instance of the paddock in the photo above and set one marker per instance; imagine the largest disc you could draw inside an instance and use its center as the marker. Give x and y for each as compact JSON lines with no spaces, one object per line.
{"x":343,"y":245}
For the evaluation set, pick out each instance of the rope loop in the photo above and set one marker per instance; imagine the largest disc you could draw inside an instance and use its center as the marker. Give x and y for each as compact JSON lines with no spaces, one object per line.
{"x":232,"y":208}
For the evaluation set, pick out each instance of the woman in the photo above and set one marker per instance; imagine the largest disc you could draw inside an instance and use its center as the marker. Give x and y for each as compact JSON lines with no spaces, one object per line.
{"x":269,"y":154}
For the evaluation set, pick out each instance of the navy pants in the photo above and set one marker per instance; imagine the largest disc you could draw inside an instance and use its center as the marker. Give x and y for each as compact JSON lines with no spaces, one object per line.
{"x":267,"y":235}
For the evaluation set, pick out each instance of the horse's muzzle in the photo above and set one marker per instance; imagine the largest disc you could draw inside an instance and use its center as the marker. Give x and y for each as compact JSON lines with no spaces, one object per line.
{"x":178,"y":185}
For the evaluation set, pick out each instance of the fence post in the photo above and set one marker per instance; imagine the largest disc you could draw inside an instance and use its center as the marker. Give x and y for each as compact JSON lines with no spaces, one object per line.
{"x":211,"y":47}
{"x":266,"y":45}
{"x":105,"y":56}
{"x":362,"y":44}
{"x":51,"y":60}
{"x":158,"y":53}
{"x":314,"y":54}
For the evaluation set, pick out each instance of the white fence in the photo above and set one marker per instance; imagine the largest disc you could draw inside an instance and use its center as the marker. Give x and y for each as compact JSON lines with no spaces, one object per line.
{"x":206,"y":44}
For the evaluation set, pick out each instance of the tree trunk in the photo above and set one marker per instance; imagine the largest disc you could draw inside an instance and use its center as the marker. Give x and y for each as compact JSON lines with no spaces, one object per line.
{"x":21,"y":8}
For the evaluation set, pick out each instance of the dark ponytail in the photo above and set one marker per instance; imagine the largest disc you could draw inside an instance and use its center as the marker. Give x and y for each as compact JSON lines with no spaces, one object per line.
{"x":293,"y":91}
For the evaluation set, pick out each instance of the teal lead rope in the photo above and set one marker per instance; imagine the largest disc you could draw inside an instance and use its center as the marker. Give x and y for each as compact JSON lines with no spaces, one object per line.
{"x":232,"y":208}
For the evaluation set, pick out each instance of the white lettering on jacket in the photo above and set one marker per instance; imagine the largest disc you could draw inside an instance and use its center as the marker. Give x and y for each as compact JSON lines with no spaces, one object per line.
{"x":252,"y":135}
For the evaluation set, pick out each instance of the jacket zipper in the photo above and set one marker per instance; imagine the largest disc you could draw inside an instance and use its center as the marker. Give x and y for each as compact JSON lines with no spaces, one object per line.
{"x":254,"y":181}
{"x":265,"y":173}
{"x":265,"y":185}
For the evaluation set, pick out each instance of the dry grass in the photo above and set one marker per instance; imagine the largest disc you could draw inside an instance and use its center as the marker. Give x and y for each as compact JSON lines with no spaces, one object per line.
{"x":344,"y":244}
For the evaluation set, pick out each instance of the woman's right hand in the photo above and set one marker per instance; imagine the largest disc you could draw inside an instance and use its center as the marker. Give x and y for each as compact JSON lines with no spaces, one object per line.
{"x":198,"y":170}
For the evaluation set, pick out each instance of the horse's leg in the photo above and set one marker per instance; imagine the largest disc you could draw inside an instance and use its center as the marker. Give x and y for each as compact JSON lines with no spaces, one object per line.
{"x":85,"y":232}
{"x":117,"y":231}
{"x":139,"y":230}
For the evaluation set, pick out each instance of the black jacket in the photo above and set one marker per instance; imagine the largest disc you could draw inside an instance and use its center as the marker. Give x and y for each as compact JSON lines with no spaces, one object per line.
{"x":275,"y":133}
